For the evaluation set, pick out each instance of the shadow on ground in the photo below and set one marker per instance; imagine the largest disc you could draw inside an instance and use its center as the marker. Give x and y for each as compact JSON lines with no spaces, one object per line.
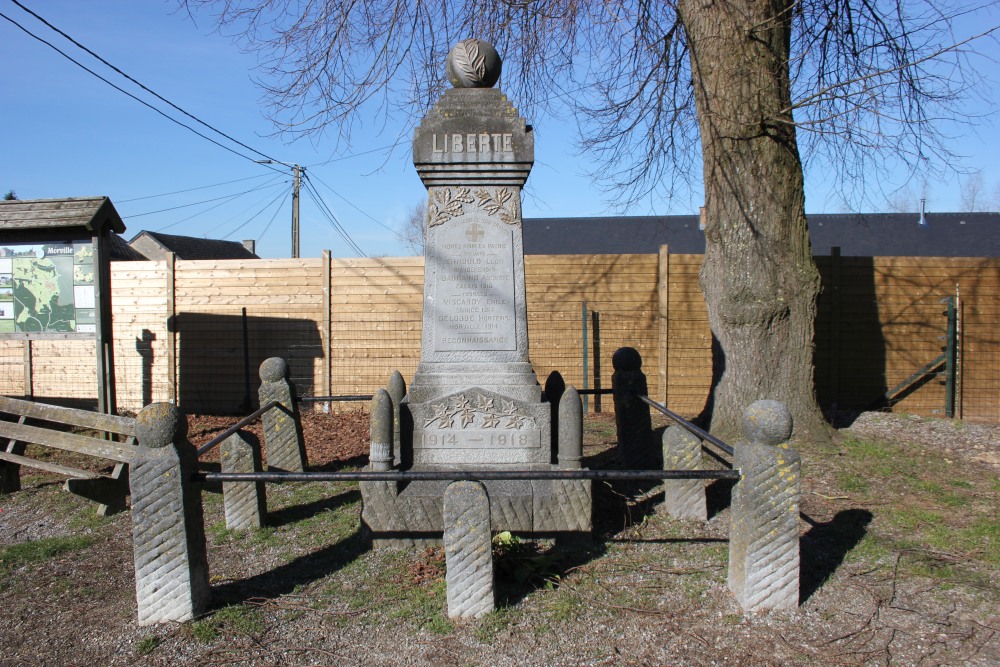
{"x":824,"y":546}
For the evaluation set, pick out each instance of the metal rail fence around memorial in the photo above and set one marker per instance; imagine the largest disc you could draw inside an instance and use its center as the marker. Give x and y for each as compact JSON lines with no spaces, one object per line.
{"x":168,"y":524}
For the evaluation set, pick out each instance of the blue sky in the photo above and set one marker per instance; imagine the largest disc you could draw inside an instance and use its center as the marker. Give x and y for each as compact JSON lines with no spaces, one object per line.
{"x":68,"y":134}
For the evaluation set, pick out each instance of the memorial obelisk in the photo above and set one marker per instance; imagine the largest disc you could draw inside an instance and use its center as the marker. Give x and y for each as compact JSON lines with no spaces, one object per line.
{"x":474,"y":399}
{"x":474,"y":402}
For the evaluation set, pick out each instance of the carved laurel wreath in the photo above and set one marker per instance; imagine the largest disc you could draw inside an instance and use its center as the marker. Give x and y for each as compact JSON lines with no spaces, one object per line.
{"x":469,"y":60}
{"x":462,"y":410}
{"x":447,"y":203}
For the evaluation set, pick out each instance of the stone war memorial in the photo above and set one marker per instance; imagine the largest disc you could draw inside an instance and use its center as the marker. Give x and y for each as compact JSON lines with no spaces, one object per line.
{"x":474,"y":446}
{"x":474,"y":402}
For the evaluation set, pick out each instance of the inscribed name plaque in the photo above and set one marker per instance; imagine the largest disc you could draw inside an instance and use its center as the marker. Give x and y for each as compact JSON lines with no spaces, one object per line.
{"x":474,"y":281}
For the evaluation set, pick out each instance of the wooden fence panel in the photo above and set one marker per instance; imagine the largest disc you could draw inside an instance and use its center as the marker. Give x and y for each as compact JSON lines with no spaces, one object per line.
{"x":622,"y":289}
{"x":375,"y":322}
{"x":140,"y":302}
{"x":879,"y":320}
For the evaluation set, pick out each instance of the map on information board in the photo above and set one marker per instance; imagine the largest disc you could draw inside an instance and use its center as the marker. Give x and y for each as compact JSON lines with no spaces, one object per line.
{"x":47,"y":288}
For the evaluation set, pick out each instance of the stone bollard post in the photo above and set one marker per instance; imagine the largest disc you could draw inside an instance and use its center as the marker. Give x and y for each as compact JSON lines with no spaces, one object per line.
{"x":632,"y":420}
{"x":380,"y":451}
{"x":570,"y":429}
{"x":683,"y":498}
{"x":397,"y":392}
{"x":554,"y":388}
{"x":764,"y":514}
{"x":286,"y":448}
{"x":168,"y":527}
{"x":468,"y":550}
{"x":245,"y":502}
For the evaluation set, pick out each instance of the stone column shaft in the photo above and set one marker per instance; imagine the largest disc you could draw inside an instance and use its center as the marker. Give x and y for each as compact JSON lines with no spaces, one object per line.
{"x":168,"y":527}
{"x":286,"y":449}
{"x":764,"y":513}
{"x":245,"y":502}
{"x":468,"y":550}
{"x":683,"y":498}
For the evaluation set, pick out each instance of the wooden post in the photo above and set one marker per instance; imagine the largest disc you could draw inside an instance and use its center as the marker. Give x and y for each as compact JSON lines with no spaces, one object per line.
{"x":586,"y":371}
{"x":327,"y":328}
{"x":171,"y":328}
{"x":835,"y":324}
{"x":102,"y":317}
{"x":595,"y":318}
{"x":663,"y":320}
{"x":959,"y":328}
{"x":29,"y":391}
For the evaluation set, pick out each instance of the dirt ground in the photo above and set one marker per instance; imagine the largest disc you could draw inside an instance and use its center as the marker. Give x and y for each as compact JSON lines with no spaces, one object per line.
{"x":900,"y":552}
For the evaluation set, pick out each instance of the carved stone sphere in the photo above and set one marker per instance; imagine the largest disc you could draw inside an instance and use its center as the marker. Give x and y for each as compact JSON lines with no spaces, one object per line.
{"x":473,"y":63}
{"x":160,"y":425}
{"x":626,"y":359}
{"x":767,"y":423}
{"x":273,"y":369}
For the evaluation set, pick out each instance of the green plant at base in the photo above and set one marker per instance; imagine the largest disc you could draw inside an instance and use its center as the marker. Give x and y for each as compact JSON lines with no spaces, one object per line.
{"x":521,"y":561}
{"x":147,"y":645}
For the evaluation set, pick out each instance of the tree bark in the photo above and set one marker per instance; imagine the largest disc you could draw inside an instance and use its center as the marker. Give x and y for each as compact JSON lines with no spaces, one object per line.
{"x":758,"y":276}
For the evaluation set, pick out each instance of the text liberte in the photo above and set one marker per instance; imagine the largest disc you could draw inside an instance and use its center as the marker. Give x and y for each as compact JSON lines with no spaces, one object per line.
{"x":479,"y":142}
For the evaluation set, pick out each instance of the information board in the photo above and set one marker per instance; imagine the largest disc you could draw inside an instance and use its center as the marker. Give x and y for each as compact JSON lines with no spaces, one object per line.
{"x":47,"y":288}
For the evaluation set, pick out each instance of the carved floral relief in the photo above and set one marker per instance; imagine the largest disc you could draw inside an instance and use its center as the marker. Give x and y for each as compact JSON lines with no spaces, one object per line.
{"x":447,"y":203}
{"x":479,"y":411}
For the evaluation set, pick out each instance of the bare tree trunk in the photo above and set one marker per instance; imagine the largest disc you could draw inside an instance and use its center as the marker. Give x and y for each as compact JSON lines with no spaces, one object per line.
{"x":758,"y":276}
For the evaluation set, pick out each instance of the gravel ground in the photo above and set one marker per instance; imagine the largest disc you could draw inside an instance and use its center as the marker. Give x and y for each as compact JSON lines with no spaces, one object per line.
{"x":899,"y":552}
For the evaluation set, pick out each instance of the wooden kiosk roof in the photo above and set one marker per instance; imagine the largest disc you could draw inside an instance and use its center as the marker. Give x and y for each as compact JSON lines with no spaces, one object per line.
{"x":91,"y":213}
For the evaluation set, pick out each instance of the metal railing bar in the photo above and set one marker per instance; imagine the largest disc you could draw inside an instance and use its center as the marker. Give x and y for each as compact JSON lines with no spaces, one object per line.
{"x":926,"y":370}
{"x":236,"y":427}
{"x":334,"y":399}
{"x":458,"y":475}
{"x":701,"y":433}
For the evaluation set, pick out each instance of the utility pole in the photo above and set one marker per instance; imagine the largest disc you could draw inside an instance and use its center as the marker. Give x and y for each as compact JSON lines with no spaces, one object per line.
{"x":295,"y":212}
{"x":296,"y":172}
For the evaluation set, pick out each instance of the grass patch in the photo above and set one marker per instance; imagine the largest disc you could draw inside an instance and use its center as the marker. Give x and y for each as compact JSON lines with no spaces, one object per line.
{"x":238,"y":619}
{"x":147,"y":645}
{"x":982,"y":537}
{"x":37,"y":551}
{"x":851,"y":482}
{"x":496,"y":622}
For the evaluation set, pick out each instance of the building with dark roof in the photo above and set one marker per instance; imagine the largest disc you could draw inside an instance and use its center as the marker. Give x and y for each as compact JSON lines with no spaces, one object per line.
{"x":156,"y":246}
{"x":856,"y":234}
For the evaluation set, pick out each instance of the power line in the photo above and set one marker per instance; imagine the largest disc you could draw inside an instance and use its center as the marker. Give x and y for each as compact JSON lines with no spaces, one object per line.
{"x":364,"y":213}
{"x":251,"y":206}
{"x":210,"y":208}
{"x":204,"y":201}
{"x":353,"y":155}
{"x":273,"y":218}
{"x":148,"y":90}
{"x":331,"y":218}
{"x":264,"y":208}
{"x":200,"y":187}
{"x":137,"y":99}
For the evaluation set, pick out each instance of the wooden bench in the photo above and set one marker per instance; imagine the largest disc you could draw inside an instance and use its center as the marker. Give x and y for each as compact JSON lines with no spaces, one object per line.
{"x":109,"y":491}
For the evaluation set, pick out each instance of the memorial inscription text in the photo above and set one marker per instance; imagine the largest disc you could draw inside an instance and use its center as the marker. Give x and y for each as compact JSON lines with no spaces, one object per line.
{"x":475,"y":288}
